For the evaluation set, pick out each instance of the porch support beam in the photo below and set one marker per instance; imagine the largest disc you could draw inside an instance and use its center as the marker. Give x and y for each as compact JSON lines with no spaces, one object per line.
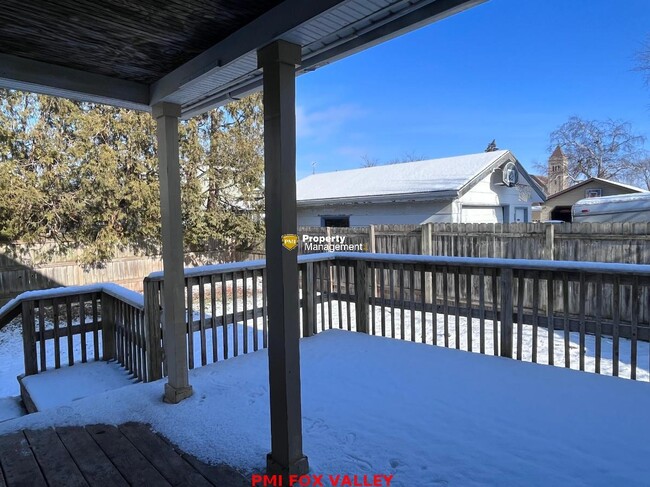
{"x":278,"y":61}
{"x":177,"y":387}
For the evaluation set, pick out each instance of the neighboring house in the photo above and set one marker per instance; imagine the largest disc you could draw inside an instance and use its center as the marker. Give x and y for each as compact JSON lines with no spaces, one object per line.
{"x":489,"y":187}
{"x":558,"y":205}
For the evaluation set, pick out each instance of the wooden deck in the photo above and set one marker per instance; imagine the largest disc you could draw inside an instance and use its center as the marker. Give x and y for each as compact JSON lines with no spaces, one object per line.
{"x":102,"y":455}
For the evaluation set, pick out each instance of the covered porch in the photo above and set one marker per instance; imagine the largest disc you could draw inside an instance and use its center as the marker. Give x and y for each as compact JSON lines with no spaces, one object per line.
{"x":177,"y":61}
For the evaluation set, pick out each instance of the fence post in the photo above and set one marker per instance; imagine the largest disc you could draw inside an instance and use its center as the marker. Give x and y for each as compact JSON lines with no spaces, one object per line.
{"x":29,"y":338}
{"x":361,"y":295}
{"x":426,"y":238}
{"x":549,"y":243}
{"x":372,"y":247}
{"x":505,"y":315}
{"x":108,"y":327}
{"x":153,"y":330}
{"x":308,"y":305}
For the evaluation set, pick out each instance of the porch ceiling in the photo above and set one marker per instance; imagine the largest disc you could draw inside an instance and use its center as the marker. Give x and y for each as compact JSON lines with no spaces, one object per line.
{"x":196,"y":53}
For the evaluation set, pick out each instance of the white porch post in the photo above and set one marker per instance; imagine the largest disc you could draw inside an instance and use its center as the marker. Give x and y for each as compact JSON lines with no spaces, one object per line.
{"x":177,"y":387}
{"x":279,"y":60}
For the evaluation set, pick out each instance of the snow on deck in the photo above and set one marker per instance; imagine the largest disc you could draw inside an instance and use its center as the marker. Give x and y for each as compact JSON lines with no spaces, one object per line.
{"x":58,"y":387}
{"x":429,"y":415}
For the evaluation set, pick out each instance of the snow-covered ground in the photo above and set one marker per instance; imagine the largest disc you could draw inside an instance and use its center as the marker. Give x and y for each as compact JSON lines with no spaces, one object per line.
{"x":58,"y":387}
{"x":429,"y":415}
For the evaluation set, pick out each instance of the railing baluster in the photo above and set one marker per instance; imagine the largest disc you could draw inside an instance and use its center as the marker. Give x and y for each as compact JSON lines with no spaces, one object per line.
{"x":582,"y":299}
{"x":521,"y":284}
{"x":41,"y":334}
{"x":468,"y":301}
{"x":495,"y":307}
{"x":95,"y":314}
{"x":423,"y":302}
{"x":321,"y":288}
{"x":445,"y":303}
{"x":599,"y":324}
{"x":213,"y":318}
{"x":235,"y":320}
{"x":373,"y":295}
{"x":255,"y":304}
{"x":550,"y":322}
{"x":82,"y":326}
{"x":535,"y":314}
{"x":391,"y":290}
{"x":382,"y":297}
{"x":339,"y":295}
{"x":481,"y":308}
{"x":567,"y":332}
{"x":634,"y":307}
{"x":457,"y":307}
{"x":68,"y":315}
{"x":411,"y":270}
{"x":189,"y":291}
{"x":329,"y":299}
{"x":244,"y":301}
{"x":202,"y":334}
{"x":57,"y":344}
{"x":400,"y":270}
{"x":224,"y":315}
{"x":348,"y":296}
{"x":434,"y":305}
{"x":616,"y":318}
{"x":265,"y":321}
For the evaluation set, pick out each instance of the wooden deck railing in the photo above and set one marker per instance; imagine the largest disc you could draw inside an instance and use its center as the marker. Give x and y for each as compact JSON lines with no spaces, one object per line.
{"x":77,"y":324}
{"x":587,"y":316}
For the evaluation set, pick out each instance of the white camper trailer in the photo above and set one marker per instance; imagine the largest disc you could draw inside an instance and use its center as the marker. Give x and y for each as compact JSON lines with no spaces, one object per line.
{"x":632,"y":208}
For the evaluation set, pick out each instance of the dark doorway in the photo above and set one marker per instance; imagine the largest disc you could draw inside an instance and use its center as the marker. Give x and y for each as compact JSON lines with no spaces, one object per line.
{"x":561,"y":213}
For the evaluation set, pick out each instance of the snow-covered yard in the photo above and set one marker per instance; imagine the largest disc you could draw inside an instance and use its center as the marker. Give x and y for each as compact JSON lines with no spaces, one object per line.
{"x":431,"y":416}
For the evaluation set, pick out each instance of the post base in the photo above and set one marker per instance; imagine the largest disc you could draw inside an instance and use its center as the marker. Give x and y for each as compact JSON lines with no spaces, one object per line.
{"x":175,"y":395}
{"x":297,"y":467}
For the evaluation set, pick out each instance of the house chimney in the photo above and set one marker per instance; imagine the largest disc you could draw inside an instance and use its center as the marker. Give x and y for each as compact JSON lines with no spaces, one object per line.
{"x":558,"y":172}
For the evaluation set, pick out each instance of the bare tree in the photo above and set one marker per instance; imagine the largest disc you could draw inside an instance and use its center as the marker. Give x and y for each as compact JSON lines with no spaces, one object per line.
{"x":640,"y":174}
{"x":643,"y":60}
{"x":410,"y":156}
{"x":605,"y":149}
{"x":367,"y":161}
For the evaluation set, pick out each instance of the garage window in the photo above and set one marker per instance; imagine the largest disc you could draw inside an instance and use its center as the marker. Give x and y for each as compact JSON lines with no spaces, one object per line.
{"x":335,"y":221}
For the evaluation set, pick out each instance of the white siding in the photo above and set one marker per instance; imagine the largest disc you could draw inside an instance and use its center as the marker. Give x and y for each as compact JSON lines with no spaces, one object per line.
{"x":414,"y":213}
{"x":486,"y":194}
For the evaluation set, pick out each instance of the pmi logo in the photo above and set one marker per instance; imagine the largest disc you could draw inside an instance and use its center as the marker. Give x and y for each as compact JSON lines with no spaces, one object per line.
{"x":290,"y":241}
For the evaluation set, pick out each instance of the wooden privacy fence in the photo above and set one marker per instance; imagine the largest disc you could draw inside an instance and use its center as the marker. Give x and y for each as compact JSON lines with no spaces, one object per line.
{"x":585,"y":242}
{"x":521,"y":309}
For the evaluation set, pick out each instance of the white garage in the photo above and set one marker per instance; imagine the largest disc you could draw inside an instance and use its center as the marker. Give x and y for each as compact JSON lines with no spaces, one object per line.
{"x":488,"y":187}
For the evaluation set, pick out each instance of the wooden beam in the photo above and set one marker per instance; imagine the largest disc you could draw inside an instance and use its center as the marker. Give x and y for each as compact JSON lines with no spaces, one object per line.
{"x":177,"y":387}
{"x":49,"y":79}
{"x":278,"y":61}
{"x":266,"y":28}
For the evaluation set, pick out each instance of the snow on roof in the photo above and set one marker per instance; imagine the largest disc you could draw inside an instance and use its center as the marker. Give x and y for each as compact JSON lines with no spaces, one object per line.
{"x":617,"y":198}
{"x":445,"y":174}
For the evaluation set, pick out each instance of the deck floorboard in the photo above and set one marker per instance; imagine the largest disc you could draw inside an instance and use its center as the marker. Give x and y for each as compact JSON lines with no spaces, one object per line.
{"x":101,"y":455}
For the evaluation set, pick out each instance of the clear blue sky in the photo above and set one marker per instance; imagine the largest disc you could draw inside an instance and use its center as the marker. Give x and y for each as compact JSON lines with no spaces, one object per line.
{"x":507,"y":69}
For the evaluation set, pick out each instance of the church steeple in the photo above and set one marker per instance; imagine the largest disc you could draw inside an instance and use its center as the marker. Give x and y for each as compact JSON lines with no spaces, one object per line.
{"x":558,"y":172}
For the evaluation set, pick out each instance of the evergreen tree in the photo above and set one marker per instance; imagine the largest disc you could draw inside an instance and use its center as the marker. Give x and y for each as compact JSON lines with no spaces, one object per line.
{"x":85,"y":175}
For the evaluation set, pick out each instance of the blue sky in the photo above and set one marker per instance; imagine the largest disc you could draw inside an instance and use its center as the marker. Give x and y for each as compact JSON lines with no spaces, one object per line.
{"x":511,"y":70}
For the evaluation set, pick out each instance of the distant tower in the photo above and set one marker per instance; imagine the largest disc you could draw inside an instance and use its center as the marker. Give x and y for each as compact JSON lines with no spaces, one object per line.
{"x":558,"y":172}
